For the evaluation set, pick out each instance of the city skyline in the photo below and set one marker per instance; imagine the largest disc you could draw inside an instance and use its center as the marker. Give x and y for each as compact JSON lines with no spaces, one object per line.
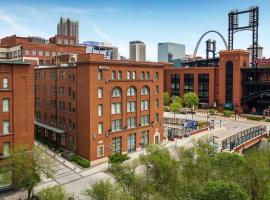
{"x":151,"y":23}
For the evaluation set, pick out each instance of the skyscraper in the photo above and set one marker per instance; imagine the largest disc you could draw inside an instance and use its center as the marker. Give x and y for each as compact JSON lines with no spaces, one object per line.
{"x":68,"y":27}
{"x":170,"y":51}
{"x":137,"y":50}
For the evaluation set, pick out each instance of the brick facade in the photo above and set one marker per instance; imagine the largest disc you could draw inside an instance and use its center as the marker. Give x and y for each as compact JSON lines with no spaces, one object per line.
{"x":85,"y":85}
{"x":217,"y":78}
{"x":17,"y":115}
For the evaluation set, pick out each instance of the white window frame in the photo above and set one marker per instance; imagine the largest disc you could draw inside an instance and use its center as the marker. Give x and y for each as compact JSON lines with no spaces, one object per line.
{"x":98,"y":147}
{"x":100,"y":93}
{"x":5,"y":83}
{"x":131,"y":106}
{"x":100,"y":128}
{"x":145,"y":105}
{"x":116,"y":92}
{"x":6,"y":127}
{"x":100,"y":110}
{"x":116,"y":108}
{"x":116,"y":125}
{"x":5,"y":105}
{"x":131,"y":91}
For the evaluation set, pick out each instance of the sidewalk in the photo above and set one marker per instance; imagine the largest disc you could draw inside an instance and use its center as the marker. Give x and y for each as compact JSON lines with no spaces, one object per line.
{"x":58,"y":157}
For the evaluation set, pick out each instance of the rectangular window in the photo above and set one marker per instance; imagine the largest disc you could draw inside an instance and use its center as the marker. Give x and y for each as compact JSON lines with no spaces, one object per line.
{"x":131,"y":143}
{"x":203,"y":88}
{"x":116,"y":108}
{"x":53,"y":53}
{"x":100,"y":93}
{"x":27,"y":52}
{"x":6,"y":148}
{"x":145,"y":105}
{"x":131,"y":122}
{"x":116,"y":145}
{"x":116,"y":125}
{"x":100,"y":75}
{"x":34,"y":52}
{"x":5,"y":105}
{"x":100,"y":110}
{"x":100,"y":151}
{"x":131,"y":106}
{"x":5,"y":83}
{"x":145,"y":138}
{"x":188,"y":83}
{"x":40,"y":53}
{"x":100,"y":128}
{"x":5,"y":127}
{"x":144,"y":120}
{"x":47,"y":53}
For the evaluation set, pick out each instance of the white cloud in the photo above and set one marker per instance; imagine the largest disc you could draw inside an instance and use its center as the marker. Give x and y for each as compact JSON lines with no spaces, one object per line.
{"x":13,"y":25}
{"x":99,"y":32}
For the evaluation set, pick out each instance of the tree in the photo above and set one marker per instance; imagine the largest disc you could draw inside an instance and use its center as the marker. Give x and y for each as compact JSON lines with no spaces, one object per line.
{"x":134,"y":186}
{"x":53,"y":193}
{"x":28,"y":166}
{"x":191,"y":99}
{"x":175,"y":107}
{"x":102,"y":190}
{"x":166,"y":99}
{"x":223,"y":191}
{"x":177,"y":99}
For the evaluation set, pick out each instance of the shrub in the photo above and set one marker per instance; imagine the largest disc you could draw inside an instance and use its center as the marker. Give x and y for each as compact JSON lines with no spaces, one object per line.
{"x":255,"y":118}
{"x":118,"y":158}
{"x":212,"y":111}
{"x":267,"y":120}
{"x":227,"y":113}
{"x":80,"y":161}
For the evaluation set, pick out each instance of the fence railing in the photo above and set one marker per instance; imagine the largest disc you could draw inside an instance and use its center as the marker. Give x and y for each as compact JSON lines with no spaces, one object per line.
{"x":239,"y":138}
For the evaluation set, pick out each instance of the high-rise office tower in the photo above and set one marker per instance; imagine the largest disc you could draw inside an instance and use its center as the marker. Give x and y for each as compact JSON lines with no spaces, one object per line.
{"x":137,"y":51}
{"x":68,"y":27}
{"x":168,"y":51}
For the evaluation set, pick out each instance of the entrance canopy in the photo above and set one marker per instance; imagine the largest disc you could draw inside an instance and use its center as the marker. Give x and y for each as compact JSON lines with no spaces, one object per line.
{"x":49,"y":127}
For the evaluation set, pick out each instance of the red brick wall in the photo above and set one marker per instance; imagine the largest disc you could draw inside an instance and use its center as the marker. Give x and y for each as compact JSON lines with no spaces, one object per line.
{"x":21,"y":104}
{"x":192,"y":70}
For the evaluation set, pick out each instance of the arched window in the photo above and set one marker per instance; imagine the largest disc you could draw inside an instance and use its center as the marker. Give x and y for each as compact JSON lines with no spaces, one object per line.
{"x":133,"y":75}
{"x":116,"y":92}
{"x":147,"y":75}
{"x":229,"y":82}
{"x":113,"y":75}
{"x":143,"y":76}
{"x":145,"y":90}
{"x":128,"y":75}
{"x":119,"y":76}
{"x":131,"y":91}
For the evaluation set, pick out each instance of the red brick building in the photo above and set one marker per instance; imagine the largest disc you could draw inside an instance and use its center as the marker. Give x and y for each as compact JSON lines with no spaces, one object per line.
{"x":18,"y":56}
{"x":17,"y":105}
{"x":216,"y":85}
{"x":43,"y":52}
{"x":97,"y":107}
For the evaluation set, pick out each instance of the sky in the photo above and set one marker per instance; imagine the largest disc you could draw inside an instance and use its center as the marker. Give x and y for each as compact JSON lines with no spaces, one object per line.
{"x":151,"y":21}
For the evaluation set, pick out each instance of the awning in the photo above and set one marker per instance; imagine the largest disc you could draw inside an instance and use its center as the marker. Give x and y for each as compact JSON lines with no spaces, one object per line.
{"x":49,"y":127}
